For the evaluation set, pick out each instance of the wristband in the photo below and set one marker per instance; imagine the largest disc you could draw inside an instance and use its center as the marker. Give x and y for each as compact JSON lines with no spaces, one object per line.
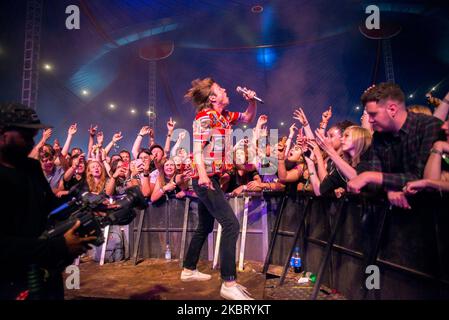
{"x":433,"y":150}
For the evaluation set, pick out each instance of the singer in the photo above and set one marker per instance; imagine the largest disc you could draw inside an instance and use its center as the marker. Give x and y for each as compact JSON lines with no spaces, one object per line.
{"x":211,"y":130}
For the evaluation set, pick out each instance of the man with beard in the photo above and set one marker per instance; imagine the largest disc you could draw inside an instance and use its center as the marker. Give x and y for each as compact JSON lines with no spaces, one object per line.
{"x":26,"y":200}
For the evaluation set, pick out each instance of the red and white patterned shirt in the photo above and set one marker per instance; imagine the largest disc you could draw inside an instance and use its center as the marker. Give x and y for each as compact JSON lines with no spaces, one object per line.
{"x":214,"y":132}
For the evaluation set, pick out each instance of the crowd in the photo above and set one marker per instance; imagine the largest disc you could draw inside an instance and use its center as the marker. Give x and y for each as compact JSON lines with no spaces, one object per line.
{"x":402,"y":150}
{"x":396,"y":150}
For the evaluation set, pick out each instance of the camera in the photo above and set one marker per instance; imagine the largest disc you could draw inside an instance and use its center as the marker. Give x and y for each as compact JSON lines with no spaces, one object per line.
{"x":86,"y":207}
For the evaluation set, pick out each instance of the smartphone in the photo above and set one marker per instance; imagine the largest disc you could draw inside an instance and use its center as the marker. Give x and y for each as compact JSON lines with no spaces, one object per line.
{"x":307,"y":153}
{"x":138,"y":162}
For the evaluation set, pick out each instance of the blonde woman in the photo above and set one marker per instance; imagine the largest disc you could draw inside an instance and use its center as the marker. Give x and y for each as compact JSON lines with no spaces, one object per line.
{"x":355,"y":141}
{"x":95,"y":176}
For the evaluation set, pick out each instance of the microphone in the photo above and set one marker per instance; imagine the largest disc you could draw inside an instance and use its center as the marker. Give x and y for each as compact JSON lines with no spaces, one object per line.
{"x":241,"y":90}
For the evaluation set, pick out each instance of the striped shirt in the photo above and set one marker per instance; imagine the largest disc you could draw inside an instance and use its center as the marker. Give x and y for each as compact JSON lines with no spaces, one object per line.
{"x":214,"y":132}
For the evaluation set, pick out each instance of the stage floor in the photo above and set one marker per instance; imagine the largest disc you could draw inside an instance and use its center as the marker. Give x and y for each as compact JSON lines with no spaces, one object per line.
{"x":158,"y":279}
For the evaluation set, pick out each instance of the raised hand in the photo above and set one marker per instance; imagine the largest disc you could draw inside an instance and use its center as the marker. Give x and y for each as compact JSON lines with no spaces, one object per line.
{"x":170,"y":126}
{"x":292,"y":130}
{"x":144,"y":130}
{"x":263,"y":119}
{"x":47,"y":134}
{"x":117,"y":137}
{"x":93,"y":130}
{"x":327,"y":115}
{"x":324,"y":142}
{"x":299,"y":115}
{"x":249,"y":95}
{"x":72,"y":130}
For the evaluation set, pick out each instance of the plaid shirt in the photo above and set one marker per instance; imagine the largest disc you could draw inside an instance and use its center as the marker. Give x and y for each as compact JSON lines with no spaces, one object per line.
{"x":402,"y":156}
{"x":213,"y":131}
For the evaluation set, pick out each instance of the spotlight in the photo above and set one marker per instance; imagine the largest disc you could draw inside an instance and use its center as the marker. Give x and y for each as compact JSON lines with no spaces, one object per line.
{"x":257,"y":9}
{"x":282,"y":123}
{"x":245,"y":126}
{"x":357,"y":108}
{"x":133,"y":111}
{"x":149,"y":113}
{"x":112,"y":106}
{"x":85,"y":92}
{"x":411,"y":96}
{"x":433,"y":89}
{"x":48,"y":67}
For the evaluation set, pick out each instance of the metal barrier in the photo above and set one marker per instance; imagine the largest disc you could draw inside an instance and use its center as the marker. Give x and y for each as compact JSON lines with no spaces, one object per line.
{"x":338,"y":238}
{"x":250,"y":209}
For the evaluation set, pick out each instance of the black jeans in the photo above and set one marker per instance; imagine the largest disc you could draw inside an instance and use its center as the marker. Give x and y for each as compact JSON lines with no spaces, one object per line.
{"x":212,"y":205}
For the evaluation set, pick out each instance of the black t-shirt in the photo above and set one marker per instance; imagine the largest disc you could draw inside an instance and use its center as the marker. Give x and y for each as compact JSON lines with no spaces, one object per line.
{"x":237,"y":180}
{"x":26,"y":200}
{"x":291,"y":188}
{"x":335,"y":179}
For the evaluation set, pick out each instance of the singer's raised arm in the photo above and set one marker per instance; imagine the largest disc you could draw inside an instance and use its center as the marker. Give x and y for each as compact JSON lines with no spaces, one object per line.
{"x":250,"y":113}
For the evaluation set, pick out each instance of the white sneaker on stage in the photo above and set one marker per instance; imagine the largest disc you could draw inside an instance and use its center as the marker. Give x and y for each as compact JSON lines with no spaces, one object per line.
{"x":194,"y":275}
{"x":236,"y":292}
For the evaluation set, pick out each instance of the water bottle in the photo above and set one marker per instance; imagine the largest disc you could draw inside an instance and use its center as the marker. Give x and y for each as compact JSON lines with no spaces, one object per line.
{"x":295,"y":261}
{"x":167,"y":252}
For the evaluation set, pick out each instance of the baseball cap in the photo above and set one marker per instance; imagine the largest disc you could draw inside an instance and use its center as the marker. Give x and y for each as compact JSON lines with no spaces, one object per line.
{"x":13,"y":114}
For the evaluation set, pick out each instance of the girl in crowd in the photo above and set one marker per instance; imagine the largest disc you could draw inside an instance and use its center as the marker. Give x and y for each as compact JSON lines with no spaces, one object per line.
{"x":74,"y":175}
{"x":95,"y":177}
{"x":122,"y":177}
{"x":355,"y":141}
{"x":165,"y":183}
{"x":241,"y":173}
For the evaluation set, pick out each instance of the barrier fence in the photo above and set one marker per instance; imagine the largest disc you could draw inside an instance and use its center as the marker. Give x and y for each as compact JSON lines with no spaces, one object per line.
{"x":338,"y":239}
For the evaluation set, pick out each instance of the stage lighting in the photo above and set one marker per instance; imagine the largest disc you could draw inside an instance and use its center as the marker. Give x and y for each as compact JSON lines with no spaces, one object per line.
{"x":257,"y":9}
{"x":48,"y":67}
{"x":112,"y":106}
{"x":411,"y":96}
{"x":133,"y":111}
{"x":433,"y":89}
{"x":357,"y":108}
{"x":85,"y":92}
{"x":245,"y":126}
{"x":282,"y":123}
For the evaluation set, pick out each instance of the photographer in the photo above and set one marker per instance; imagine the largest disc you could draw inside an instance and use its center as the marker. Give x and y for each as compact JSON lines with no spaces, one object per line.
{"x":26,"y":200}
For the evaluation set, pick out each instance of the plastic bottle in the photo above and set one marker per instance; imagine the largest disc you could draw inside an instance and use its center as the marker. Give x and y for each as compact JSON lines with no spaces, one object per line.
{"x":167,"y":252}
{"x":295,"y":261}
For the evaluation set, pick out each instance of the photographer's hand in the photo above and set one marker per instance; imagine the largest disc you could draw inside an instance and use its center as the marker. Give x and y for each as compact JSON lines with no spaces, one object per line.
{"x":75,"y":244}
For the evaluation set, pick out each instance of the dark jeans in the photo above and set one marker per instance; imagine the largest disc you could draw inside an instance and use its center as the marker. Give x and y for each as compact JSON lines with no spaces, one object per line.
{"x":212,"y":205}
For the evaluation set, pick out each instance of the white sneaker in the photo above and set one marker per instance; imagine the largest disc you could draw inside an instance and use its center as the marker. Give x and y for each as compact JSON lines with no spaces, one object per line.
{"x":236,"y":292}
{"x":194,"y":275}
